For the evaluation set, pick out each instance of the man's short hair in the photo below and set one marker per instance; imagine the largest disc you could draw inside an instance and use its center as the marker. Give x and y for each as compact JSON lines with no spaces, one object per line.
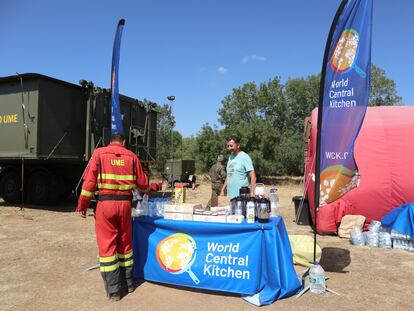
{"x":220,"y":158}
{"x":118,"y":136}
{"x":233,"y":138}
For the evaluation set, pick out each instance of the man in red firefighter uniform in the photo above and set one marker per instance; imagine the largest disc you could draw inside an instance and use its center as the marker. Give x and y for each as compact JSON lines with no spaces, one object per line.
{"x":114,"y":171}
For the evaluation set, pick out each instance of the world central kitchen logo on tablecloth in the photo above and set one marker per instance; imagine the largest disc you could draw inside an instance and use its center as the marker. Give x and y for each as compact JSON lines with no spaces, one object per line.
{"x":177,"y":253}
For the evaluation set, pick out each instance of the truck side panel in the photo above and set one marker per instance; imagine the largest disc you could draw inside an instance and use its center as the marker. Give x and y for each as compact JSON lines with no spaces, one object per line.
{"x":18,"y":119}
{"x":62,"y":115}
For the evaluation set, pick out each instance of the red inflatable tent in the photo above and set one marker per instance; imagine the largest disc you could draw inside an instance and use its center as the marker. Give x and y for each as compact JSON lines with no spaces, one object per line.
{"x":384,"y":153}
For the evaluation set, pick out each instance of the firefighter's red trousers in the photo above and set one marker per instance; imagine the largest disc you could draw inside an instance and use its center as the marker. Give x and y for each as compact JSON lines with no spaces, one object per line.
{"x":114,"y":236}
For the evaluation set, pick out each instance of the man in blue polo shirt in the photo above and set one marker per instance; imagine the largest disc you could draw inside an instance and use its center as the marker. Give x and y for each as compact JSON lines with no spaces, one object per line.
{"x":240,"y":170}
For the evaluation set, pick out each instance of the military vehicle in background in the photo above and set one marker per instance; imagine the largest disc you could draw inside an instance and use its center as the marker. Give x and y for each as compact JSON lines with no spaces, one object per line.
{"x":49,"y":129}
{"x":180,"y":171}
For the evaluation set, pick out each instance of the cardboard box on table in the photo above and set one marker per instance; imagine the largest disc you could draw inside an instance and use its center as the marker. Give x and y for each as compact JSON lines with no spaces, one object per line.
{"x":210,"y":218}
{"x":182,"y":211}
{"x":221,"y":209}
{"x":186,"y":208}
{"x":235,"y":219}
{"x":178,"y":216}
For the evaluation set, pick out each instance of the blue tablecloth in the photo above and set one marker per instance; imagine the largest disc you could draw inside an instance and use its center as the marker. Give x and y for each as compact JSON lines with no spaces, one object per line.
{"x":253,"y":260}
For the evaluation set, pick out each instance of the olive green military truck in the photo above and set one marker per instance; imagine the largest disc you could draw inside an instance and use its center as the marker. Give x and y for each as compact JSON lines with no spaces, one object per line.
{"x":49,"y":129}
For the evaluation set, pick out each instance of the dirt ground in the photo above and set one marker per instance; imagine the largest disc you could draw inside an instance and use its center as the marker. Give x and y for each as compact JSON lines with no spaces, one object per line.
{"x":45,"y":251}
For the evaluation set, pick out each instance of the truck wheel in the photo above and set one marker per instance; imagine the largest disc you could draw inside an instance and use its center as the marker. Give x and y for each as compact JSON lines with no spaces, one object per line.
{"x":10,"y":186}
{"x":41,"y":188}
{"x":63,"y":187}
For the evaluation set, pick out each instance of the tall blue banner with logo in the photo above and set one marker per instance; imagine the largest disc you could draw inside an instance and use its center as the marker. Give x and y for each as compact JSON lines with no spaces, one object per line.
{"x":116,"y":118}
{"x":345,"y":80}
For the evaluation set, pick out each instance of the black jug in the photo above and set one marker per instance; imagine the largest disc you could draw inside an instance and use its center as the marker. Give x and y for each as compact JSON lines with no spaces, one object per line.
{"x":244,"y":192}
{"x":263,"y":210}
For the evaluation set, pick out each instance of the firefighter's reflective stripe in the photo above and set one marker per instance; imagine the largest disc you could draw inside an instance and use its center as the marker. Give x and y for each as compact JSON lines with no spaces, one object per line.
{"x":109,"y":268}
{"x":108,"y":259}
{"x":86,"y":193}
{"x":126,"y":260}
{"x":127,"y":263}
{"x":125,"y":256}
{"x":118,"y":177}
{"x":115,"y":187}
{"x":108,"y":264}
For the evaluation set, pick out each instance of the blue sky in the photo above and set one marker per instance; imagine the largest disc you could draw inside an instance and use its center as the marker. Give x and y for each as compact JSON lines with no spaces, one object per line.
{"x":193,"y":49}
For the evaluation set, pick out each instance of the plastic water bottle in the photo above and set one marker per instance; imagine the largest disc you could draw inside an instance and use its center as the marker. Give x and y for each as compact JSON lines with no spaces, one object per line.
{"x":159,"y":207}
{"x":151,"y":208}
{"x":317,"y":283}
{"x":137,"y":210}
{"x":239,"y":206}
{"x":274,"y":203}
{"x":154,"y":206}
{"x":144,"y":205}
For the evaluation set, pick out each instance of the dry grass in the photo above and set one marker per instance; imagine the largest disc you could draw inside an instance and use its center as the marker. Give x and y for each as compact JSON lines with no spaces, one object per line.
{"x":44,"y":254}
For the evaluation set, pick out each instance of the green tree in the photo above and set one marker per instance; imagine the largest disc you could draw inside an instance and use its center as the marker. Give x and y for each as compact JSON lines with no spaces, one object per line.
{"x":210,"y":142}
{"x":258,"y":115}
{"x":302,"y":96}
{"x":383,"y":90}
{"x":188,"y":148}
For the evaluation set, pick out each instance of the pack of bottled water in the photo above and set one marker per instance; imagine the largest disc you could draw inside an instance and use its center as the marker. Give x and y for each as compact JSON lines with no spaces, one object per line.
{"x":139,"y":206}
{"x":371,"y":238}
{"x":357,"y":237}
{"x":374,"y":226}
{"x":159,"y":206}
{"x":384,"y":238}
{"x":402,"y":241}
{"x":152,"y":207}
{"x":379,"y":236}
{"x":376,"y":236}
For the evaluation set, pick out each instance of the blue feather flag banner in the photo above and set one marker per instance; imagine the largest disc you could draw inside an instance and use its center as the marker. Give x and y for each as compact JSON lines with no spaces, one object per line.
{"x":116,"y":117}
{"x":346,"y":75}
